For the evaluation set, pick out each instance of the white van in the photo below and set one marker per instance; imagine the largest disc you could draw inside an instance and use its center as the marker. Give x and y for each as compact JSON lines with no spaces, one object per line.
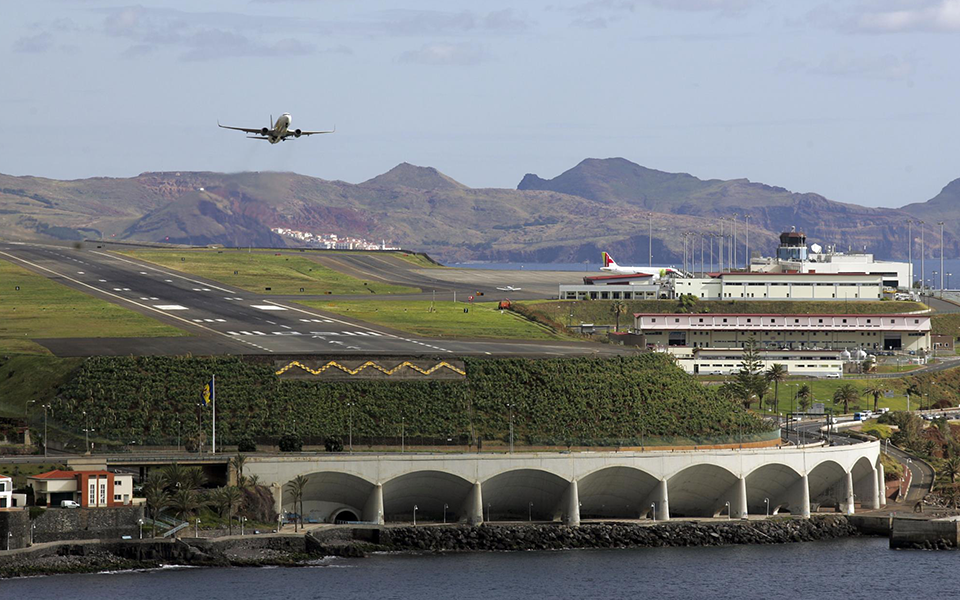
{"x":69,"y":504}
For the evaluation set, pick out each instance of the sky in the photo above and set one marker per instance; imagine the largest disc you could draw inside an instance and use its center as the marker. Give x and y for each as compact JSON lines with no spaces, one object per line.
{"x":853,"y":99}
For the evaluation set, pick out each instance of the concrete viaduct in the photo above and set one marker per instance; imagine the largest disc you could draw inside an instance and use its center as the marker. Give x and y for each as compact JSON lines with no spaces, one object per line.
{"x":472,"y":488}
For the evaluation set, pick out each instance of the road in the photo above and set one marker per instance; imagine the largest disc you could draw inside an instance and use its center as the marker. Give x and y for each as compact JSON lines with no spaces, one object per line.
{"x":227,"y":320}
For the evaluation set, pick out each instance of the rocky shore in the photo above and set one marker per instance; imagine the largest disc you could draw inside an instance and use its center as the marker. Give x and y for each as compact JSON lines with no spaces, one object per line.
{"x":287,"y":550}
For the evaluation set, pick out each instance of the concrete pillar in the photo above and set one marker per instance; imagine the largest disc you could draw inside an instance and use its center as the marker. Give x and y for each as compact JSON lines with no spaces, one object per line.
{"x":661,"y":500}
{"x":373,"y":509}
{"x":846,"y":505}
{"x":805,"y":496}
{"x":738,"y":502}
{"x":873,"y":494}
{"x":571,"y":506}
{"x":473,"y":506}
{"x":882,"y":485}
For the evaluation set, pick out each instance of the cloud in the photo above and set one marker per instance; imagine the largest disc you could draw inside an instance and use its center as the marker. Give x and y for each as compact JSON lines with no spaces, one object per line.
{"x":847,"y":65}
{"x":937,"y":16}
{"x":598,"y":14}
{"x":461,"y":54}
{"x":432,"y":22}
{"x":34,"y":44}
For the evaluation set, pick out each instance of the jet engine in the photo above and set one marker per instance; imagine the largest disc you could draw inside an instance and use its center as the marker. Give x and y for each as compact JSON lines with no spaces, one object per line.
{"x":296,"y":133}
{"x":264,"y":131}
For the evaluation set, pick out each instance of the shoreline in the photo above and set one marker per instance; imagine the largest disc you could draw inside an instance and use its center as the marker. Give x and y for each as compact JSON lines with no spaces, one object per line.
{"x":284,"y":550}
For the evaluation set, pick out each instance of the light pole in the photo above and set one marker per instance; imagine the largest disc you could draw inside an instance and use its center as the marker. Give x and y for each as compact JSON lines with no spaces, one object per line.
{"x":766,"y":503}
{"x":720,"y":246}
{"x":140,"y":523}
{"x":415,"y":515}
{"x":9,"y":537}
{"x":242,"y":521}
{"x":653,"y":507}
{"x":530,"y":512}
{"x":910,"y":252}
{"x":650,"y":241}
{"x":86,"y":433}
{"x":746,"y":231}
{"x":45,"y":407}
{"x":940,"y":223}
{"x":445,"y":507}
{"x":511,"y":427}
{"x":196,"y":528}
{"x":922,"y":272}
{"x":727,"y":504}
{"x":488,"y":512}
{"x":350,"y":426}
{"x":178,"y":436}
{"x":402,"y":433}
{"x":733,"y":242}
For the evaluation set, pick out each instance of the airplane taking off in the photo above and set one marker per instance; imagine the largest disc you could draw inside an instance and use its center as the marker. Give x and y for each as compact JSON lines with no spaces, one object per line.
{"x":277,"y":132}
{"x":611,"y":266}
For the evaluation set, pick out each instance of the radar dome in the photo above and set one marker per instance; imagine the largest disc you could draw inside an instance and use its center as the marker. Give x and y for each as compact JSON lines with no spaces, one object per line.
{"x":817,"y":248}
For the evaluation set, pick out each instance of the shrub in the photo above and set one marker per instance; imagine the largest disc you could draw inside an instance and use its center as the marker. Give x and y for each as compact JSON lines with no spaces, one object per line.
{"x":246,"y":445}
{"x":332,"y":444}
{"x":290,"y":442}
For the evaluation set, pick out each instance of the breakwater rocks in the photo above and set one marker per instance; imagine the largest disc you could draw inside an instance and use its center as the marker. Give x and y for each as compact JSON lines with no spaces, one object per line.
{"x":614,"y":535}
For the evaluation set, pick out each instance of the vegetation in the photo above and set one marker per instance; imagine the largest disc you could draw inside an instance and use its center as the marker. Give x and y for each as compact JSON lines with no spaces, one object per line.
{"x":876,"y":388}
{"x":750,"y":383}
{"x":283,"y":274}
{"x":599,"y":311}
{"x":776,"y":373}
{"x":846,"y":394}
{"x":878,"y":430}
{"x":946,"y":324}
{"x":43,"y":308}
{"x":296,"y":487}
{"x":563,"y":401}
{"x":441,"y":319}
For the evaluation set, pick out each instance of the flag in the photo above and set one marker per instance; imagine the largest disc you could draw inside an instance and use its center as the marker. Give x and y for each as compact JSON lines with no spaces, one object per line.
{"x":207,"y":395}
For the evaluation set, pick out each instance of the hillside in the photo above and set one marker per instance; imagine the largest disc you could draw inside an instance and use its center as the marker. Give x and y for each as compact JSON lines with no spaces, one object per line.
{"x":600,"y":204}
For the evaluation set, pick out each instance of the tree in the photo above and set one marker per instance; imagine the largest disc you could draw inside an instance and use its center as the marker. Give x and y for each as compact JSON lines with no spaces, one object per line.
{"x":876,"y":388}
{"x":951,"y":468}
{"x":687,"y":303}
{"x":238,"y":462}
{"x":184,"y":503}
{"x":247,"y":445}
{"x":174,"y":476}
{"x":290,"y":442}
{"x":846,"y":393}
{"x":156,"y":499}
{"x":296,"y":487}
{"x":227,"y":500}
{"x":776,"y":373}
{"x":750,"y":381}
{"x":804,"y":396}
{"x":619,"y":307}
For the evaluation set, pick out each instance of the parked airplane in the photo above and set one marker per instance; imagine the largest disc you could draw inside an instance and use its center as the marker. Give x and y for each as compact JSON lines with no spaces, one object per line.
{"x":611,"y":266}
{"x":277,"y":132}
{"x":509,"y":288}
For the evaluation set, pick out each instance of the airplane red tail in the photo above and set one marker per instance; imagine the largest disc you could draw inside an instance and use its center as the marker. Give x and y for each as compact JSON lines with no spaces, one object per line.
{"x":608,"y":260}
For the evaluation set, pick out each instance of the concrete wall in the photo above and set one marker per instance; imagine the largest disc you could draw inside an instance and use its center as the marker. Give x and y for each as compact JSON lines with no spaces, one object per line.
{"x":85,"y":524}
{"x":18,"y":523}
{"x":908,"y":533}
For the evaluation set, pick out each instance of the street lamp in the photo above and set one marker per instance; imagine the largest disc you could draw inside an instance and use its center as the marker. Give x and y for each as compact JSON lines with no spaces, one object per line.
{"x":350,"y":426}
{"x":510,"y":406}
{"x":445,"y":507}
{"x":727,"y":504}
{"x":140,"y":523}
{"x":488,"y":511}
{"x":402,"y":433}
{"x":653,"y":507}
{"x":178,"y":436}
{"x":242,"y":521}
{"x":196,"y":528}
{"x":530,"y":512}
{"x":766,"y":503}
{"x":86,"y":434}
{"x":9,"y":537}
{"x":415,"y":515}
{"x":940,"y":223}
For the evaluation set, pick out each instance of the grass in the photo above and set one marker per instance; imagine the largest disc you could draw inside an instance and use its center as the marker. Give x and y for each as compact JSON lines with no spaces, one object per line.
{"x":255,"y":272}
{"x":43,"y":308}
{"x":598,"y":311}
{"x":447,"y":320}
{"x":823,"y":390}
{"x":20,"y":472}
{"x":946,"y":324}
{"x":876,"y":430}
{"x":25,"y":378}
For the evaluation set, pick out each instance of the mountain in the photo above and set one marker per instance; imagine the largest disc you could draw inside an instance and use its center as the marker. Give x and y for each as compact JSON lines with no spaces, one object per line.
{"x":600,"y":204}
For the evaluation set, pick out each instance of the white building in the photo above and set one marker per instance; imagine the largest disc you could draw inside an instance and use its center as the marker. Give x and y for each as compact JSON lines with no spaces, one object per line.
{"x":726,"y":361}
{"x":896,"y":332}
{"x":782,"y":286}
{"x":6,"y":492}
{"x":633,"y":286}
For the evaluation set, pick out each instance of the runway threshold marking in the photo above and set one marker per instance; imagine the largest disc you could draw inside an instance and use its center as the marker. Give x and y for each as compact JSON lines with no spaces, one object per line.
{"x":147,"y":266}
{"x":128,"y":300}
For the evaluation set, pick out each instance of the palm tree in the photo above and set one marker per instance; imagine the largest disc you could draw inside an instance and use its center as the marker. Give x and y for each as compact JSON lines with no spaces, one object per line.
{"x":227,"y":500}
{"x":174,"y":476}
{"x":951,"y":467}
{"x":618,"y":308}
{"x":296,"y":488}
{"x":876,"y":389}
{"x":238,"y":462}
{"x":194,"y":478}
{"x":184,"y":503}
{"x":776,"y":373}
{"x":804,"y":394}
{"x":156,"y":499}
{"x":846,"y":393}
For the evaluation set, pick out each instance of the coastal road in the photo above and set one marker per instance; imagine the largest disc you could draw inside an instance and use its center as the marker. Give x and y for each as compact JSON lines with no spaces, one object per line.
{"x":228,"y":320}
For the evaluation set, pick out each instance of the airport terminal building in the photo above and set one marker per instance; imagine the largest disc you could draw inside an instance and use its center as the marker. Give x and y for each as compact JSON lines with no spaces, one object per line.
{"x":782,"y":286}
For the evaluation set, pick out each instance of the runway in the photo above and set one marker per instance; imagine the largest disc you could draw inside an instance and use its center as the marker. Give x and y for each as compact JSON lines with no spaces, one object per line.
{"x":228,"y":320}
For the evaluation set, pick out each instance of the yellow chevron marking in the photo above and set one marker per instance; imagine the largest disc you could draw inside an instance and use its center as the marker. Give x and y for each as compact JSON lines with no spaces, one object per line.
{"x":373,"y":365}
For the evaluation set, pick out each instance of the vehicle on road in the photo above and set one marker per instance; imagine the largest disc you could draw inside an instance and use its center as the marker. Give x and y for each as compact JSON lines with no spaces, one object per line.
{"x":69,"y":504}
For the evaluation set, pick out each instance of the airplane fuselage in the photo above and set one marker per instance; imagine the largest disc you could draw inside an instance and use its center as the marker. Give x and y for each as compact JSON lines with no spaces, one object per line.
{"x":280,"y":129}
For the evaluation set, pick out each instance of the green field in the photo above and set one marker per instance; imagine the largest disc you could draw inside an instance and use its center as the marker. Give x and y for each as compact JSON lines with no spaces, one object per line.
{"x":823,"y":390}
{"x":42,"y":308}
{"x":447,"y":319}
{"x":256,"y":271}
{"x":598,"y":311}
{"x":946,"y":323}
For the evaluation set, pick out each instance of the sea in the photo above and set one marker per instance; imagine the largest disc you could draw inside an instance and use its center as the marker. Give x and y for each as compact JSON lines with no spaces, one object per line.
{"x":847,"y":569}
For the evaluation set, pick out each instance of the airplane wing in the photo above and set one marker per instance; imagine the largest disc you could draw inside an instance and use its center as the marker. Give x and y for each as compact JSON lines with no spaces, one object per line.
{"x":258,"y":137}
{"x":256,"y":130}
{"x":334,"y":130}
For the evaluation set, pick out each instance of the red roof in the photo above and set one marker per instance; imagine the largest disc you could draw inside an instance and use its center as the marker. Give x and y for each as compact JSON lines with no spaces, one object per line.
{"x":795,"y":273}
{"x":57,"y":474}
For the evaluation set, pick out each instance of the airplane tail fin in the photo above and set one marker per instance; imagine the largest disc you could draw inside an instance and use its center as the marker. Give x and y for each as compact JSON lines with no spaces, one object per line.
{"x":608,"y":260}
{"x":271,"y":121}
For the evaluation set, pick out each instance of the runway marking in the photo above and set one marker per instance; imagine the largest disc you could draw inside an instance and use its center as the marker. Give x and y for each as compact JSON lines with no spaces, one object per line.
{"x":267,"y":307}
{"x":121,"y":298}
{"x":170,"y":307}
{"x":284,"y":326}
{"x":80,"y":273}
{"x":231,"y":298}
{"x":220,"y":320}
{"x":114,"y":257}
{"x":102,"y":280}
